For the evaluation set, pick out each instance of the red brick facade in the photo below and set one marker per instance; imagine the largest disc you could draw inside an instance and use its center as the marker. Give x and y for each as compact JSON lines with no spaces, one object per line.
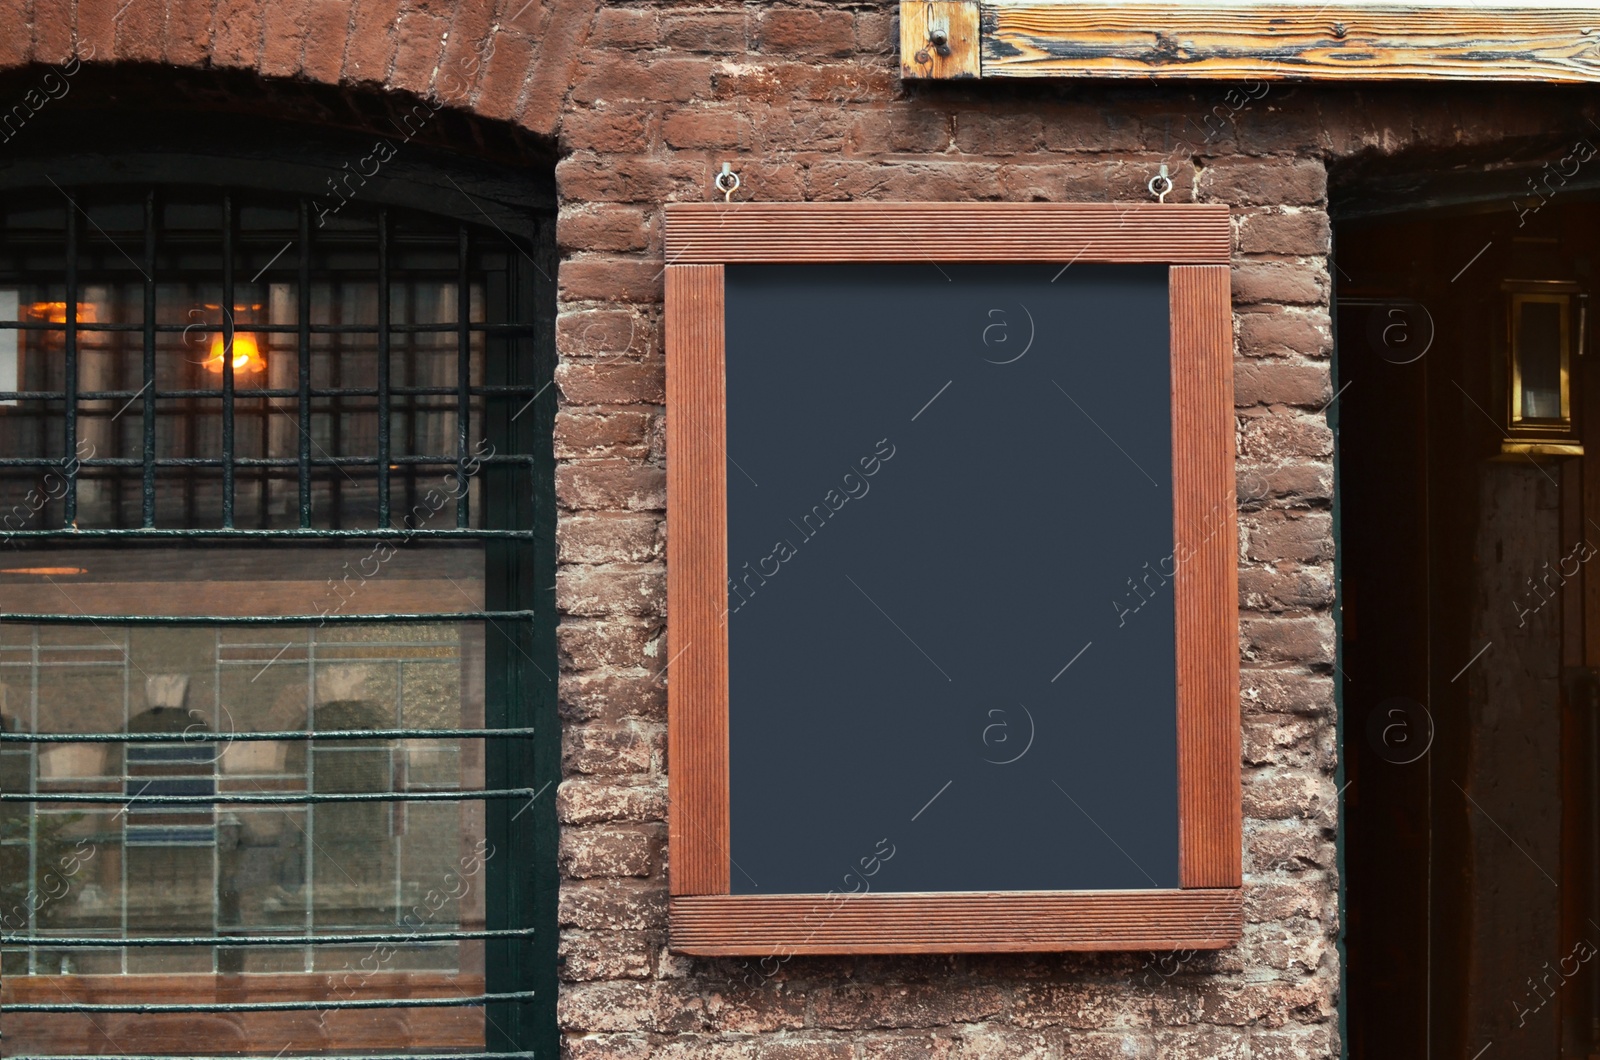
{"x":645,"y":101}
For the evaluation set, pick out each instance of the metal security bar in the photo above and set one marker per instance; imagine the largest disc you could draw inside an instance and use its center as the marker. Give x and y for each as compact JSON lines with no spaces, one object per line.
{"x":274,"y":940}
{"x":203,"y":369}
{"x":206,"y":302}
{"x":365,"y":618}
{"x":323,"y":734}
{"x":322,"y":1056}
{"x":140,"y":799}
{"x":284,"y":1006}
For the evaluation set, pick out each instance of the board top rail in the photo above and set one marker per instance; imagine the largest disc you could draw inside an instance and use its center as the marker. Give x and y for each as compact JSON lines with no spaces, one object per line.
{"x":1107,"y":233}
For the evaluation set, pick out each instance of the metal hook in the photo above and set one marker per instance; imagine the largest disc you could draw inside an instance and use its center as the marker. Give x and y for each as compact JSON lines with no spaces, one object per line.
{"x":727,"y":182}
{"x":1166,"y":184}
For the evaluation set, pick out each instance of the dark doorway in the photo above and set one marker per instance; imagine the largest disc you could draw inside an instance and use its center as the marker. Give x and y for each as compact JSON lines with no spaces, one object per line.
{"x":1469,"y":505}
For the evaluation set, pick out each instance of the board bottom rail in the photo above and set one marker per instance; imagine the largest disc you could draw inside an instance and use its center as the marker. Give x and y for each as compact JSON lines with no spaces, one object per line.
{"x":725,"y":925}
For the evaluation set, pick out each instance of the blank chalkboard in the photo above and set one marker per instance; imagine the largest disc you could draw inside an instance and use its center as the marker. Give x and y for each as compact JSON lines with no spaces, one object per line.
{"x":950,"y":557}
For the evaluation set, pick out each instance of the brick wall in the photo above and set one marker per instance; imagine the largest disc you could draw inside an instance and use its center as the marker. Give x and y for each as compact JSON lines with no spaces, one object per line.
{"x":645,"y":102}
{"x":805,"y":103}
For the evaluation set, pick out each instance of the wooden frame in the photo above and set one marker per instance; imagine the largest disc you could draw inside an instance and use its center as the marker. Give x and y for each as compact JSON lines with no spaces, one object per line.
{"x":429,"y":1029}
{"x":1339,"y":41}
{"x":1205,"y":912}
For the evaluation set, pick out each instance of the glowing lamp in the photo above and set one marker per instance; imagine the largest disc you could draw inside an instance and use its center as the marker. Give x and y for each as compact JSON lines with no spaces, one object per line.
{"x":56,"y":312}
{"x":246,"y":354}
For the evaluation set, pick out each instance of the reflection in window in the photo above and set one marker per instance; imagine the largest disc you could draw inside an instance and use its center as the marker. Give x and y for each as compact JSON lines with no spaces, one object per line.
{"x":1541,"y":349}
{"x":232,"y":869}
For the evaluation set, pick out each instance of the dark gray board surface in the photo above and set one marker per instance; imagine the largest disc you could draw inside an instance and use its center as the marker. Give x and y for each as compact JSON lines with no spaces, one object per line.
{"x":951,"y":624}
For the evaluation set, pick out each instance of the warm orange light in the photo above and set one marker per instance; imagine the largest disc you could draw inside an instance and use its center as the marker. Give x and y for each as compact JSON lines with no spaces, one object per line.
{"x":56,"y":312}
{"x":246,"y":354}
{"x":46,"y":572}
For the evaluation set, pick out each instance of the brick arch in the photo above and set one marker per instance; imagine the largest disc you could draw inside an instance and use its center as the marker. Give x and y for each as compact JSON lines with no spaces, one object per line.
{"x":508,"y":60}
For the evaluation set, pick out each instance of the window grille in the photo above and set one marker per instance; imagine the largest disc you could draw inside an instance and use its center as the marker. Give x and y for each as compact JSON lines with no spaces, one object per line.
{"x":276,"y":649}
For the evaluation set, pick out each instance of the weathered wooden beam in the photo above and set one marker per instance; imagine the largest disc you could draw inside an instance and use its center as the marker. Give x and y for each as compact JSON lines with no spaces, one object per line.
{"x":1268,"y":41}
{"x":939,"y":39}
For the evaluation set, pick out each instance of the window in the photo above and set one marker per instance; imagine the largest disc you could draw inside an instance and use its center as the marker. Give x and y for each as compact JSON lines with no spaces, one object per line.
{"x":276,"y":660}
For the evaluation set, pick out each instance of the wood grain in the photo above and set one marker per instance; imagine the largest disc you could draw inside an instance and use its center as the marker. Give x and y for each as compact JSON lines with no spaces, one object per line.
{"x":250,"y":599}
{"x":998,"y":922}
{"x":350,"y":1031}
{"x":247,"y":582}
{"x":1206,"y":593}
{"x":1190,"y":234}
{"x":204,"y":988}
{"x":697,"y":581}
{"x":919,"y":55}
{"x":1337,"y":41}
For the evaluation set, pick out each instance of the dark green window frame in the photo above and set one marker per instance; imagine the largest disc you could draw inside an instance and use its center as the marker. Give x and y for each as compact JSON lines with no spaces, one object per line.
{"x":490,"y":205}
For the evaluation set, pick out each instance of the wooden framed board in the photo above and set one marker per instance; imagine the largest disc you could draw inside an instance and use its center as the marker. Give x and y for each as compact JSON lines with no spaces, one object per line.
{"x":952,"y":604}
{"x":1221,"y":40}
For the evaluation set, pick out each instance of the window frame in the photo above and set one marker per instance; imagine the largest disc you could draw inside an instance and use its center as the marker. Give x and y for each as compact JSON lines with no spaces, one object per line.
{"x":1205,"y":911}
{"x":519,"y":553}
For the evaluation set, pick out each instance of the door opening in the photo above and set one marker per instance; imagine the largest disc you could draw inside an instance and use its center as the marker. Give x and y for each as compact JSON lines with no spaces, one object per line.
{"x":1468,"y":434}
